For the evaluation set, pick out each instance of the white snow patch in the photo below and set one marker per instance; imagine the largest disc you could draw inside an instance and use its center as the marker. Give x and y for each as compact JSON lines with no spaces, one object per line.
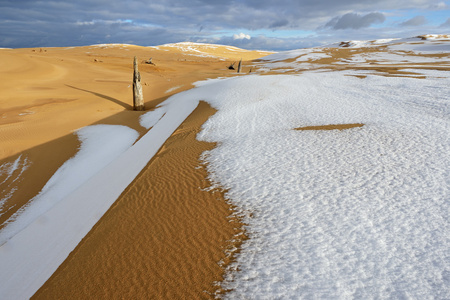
{"x":11,"y":171}
{"x":9,"y":168}
{"x":285,"y":55}
{"x":100,"y":144}
{"x":173,"y":89}
{"x":312,"y":56}
{"x":426,"y":47}
{"x":149,"y":119}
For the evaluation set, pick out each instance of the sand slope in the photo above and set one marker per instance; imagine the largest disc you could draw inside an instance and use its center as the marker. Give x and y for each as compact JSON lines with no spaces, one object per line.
{"x":49,"y":93}
{"x":162,"y":239}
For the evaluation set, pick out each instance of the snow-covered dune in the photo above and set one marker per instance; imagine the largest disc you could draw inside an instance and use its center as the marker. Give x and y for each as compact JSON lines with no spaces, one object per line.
{"x":424,"y":51}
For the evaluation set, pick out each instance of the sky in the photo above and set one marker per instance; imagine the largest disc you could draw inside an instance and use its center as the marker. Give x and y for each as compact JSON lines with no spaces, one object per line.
{"x":251,"y":24}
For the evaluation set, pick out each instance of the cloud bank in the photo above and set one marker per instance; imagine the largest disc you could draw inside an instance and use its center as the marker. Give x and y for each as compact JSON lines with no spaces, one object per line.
{"x":275,"y":25}
{"x":356,"y":21}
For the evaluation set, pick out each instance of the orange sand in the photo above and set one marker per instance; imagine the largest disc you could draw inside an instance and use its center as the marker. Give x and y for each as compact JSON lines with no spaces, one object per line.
{"x":164,"y":236}
{"x":162,"y":239}
{"x":47,"y":95}
{"x":331,"y":127}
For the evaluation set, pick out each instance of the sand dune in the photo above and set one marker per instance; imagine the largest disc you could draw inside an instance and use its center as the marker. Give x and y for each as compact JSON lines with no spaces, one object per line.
{"x":167,"y":236}
{"x":162,"y":239}
{"x":49,"y":93}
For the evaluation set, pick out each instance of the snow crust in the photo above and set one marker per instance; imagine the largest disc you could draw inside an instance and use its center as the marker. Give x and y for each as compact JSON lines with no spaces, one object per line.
{"x":361,"y":213}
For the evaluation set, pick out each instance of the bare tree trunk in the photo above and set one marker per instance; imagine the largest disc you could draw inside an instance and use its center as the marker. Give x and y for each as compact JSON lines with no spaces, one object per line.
{"x":239,"y":66}
{"x":138,"y":97}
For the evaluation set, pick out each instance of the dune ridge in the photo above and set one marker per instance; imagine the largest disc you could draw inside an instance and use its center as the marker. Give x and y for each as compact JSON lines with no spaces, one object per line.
{"x":47,"y":95}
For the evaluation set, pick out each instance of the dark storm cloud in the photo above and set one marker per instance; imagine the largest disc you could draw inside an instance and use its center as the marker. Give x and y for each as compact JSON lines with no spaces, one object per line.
{"x":416,"y":21}
{"x":29,"y":23}
{"x":278,"y":24}
{"x":356,"y":21}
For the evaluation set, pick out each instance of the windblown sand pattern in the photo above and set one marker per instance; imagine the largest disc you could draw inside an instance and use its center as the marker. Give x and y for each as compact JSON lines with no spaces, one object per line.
{"x":47,"y":95}
{"x":163,"y":239}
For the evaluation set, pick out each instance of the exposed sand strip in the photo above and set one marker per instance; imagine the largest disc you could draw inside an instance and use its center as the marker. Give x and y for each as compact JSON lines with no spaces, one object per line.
{"x":330,"y":127}
{"x":162,"y":239}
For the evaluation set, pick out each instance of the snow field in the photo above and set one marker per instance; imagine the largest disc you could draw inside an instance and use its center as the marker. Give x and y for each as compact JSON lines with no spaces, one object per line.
{"x":361,"y":213}
{"x":397,"y":51}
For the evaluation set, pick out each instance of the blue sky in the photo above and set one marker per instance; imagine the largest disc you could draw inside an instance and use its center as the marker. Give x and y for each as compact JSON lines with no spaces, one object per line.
{"x":250,"y":24}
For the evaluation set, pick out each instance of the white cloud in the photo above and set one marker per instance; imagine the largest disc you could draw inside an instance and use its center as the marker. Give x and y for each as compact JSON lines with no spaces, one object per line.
{"x":241,"y":36}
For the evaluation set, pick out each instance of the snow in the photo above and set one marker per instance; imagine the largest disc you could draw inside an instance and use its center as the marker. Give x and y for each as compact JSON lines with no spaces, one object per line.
{"x":9,"y":168}
{"x":149,"y":119}
{"x":312,"y":56}
{"x":441,"y":37}
{"x":281,"y":56}
{"x":173,"y":89}
{"x":100,"y":144}
{"x":427,"y":48}
{"x":361,"y":213}
{"x":31,"y":256}
{"x":393,"y":58}
{"x":382,"y":52}
{"x":11,"y":171}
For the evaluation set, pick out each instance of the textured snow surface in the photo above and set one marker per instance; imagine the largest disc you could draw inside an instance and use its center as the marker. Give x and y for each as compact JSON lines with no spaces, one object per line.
{"x":355,"y":214}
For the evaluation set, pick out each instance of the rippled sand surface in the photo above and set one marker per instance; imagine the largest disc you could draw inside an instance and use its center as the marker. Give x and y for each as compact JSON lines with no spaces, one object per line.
{"x":162,"y":239}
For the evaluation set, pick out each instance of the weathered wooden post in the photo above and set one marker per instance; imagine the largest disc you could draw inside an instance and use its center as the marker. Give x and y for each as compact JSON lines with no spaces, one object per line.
{"x":138,"y":97}
{"x":239,"y":66}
